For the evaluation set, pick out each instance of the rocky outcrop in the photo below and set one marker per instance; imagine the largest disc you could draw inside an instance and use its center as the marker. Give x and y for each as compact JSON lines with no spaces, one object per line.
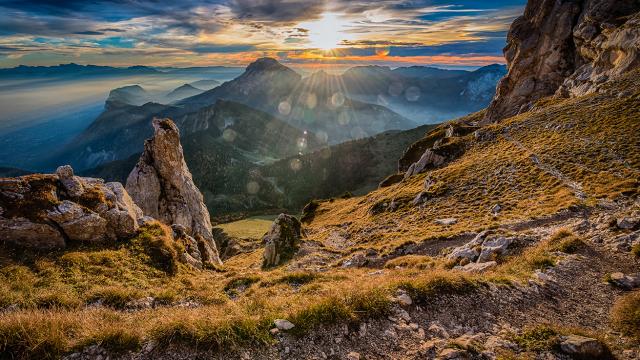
{"x":162,"y":186}
{"x":282,"y":240}
{"x":479,"y":254}
{"x":568,"y":48}
{"x":49,"y":211}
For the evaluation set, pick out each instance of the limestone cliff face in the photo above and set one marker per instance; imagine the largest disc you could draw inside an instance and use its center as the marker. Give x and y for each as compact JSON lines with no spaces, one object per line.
{"x":162,"y":186}
{"x":567,"y":48}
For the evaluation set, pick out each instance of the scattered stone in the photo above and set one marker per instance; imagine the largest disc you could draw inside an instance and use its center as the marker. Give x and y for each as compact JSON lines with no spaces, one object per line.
{"x":452,"y":354}
{"x":492,"y":247}
{"x":495,"y":209}
{"x":353,"y":356}
{"x":439,"y":331}
{"x":628,"y":223}
{"x":627,"y":282}
{"x":477,"y":267}
{"x":581,"y":346}
{"x":282,"y":324}
{"x":282,"y":240}
{"x":404,"y":299}
{"x":446,"y":221}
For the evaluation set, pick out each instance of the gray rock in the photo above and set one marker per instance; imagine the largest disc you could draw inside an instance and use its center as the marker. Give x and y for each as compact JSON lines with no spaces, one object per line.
{"x":627,"y":282}
{"x":283,"y":325}
{"x":26,"y":233}
{"x":628,"y":223}
{"x":70,"y":183}
{"x":477,"y":267}
{"x":282,"y":240}
{"x":446,"y":221}
{"x":79,"y":223}
{"x":582,"y":347}
{"x":162,"y":186}
{"x":43,"y":211}
{"x":429,"y":159}
{"x":493,"y":246}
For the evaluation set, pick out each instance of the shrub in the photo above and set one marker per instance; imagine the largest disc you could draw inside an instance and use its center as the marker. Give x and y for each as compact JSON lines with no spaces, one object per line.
{"x":538,"y":338}
{"x":156,"y":241}
{"x":625,"y":314}
{"x":565,"y":241}
{"x":635,"y":250}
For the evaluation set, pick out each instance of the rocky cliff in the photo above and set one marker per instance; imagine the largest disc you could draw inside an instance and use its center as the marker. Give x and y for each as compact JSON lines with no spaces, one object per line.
{"x":567,"y":48}
{"x":162,"y":186}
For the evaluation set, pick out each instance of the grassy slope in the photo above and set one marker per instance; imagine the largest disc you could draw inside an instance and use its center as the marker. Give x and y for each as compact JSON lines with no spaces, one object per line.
{"x":591,"y":140}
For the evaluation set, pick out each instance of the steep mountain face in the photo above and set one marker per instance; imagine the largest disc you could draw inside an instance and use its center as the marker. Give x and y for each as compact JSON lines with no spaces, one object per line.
{"x":262,"y":85}
{"x":567,"y":48}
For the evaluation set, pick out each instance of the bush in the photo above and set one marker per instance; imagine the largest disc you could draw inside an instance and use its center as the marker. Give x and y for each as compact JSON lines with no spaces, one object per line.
{"x":157,"y":242}
{"x":538,"y":338}
{"x":625,"y":314}
{"x":565,"y":241}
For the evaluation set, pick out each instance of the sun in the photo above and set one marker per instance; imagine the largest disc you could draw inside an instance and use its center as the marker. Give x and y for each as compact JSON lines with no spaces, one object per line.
{"x":327,"y":32}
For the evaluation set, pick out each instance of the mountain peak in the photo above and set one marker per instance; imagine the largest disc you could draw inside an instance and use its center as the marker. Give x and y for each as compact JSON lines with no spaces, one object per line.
{"x":265,"y":64}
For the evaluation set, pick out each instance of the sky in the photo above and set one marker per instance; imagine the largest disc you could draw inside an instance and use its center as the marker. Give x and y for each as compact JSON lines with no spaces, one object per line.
{"x":305,"y":33}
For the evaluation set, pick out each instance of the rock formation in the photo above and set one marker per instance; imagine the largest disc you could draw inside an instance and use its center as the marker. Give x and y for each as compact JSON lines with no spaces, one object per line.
{"x":282,"y":240}
{"x":568,"y":48}
{"x":162,"y":186}
{"x":48,"y":211}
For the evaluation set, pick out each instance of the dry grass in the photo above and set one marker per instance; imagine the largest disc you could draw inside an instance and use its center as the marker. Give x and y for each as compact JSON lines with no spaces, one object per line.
{"x":625,"y":315}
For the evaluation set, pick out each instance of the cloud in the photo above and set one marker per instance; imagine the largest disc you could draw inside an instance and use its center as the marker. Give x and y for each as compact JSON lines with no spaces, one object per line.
{"x":236,"y":31}
{"x":277,"y":11}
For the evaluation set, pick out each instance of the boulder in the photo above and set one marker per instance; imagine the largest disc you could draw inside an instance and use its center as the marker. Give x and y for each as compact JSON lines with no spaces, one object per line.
{"x":26,"y":233}
{"x":627,"y":282}
{"x":282,"y":240}
{"x":163,"y":187}
{"x":628,"y":223}
{"x":482,"y":249}
{"x":282,"y":324}
{"x":582,"y":347}
{"x":477,"y":267}
{"x":45,"y":211}
{"x":492,"y":247}
{"x":78,"y":223}
{"x":430,"y":159}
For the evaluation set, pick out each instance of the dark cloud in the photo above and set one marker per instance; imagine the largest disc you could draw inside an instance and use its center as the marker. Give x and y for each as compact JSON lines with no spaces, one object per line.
{"x":277,"y":11}
{"x":89,"y":32}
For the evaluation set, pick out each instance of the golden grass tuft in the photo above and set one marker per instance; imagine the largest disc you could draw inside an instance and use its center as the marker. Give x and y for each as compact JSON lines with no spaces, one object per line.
{"x":625,"y":314}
